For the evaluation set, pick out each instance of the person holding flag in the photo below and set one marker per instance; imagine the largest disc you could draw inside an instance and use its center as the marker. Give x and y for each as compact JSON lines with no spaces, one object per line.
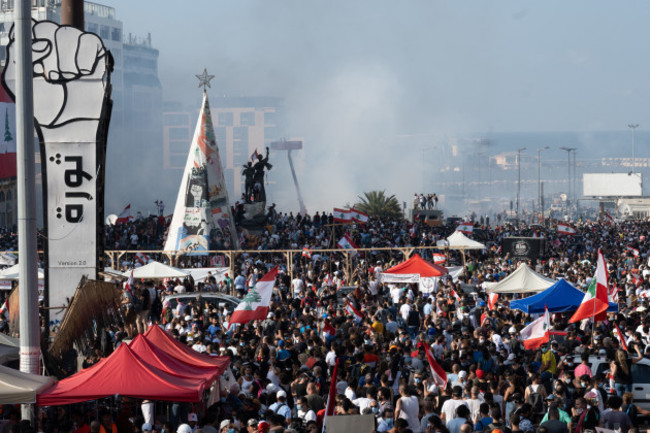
{"x":596,"y":301}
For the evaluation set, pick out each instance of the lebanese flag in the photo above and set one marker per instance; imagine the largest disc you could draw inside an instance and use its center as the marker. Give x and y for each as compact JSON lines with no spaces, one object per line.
{"x":484,"y":317}
{"x":609,"y":218}
{"x":358,"y":316}
{"x":125,"y":216}
{"x":620,"y":336}
{"x":331,"y":397}
{"x":565,"y":229}
{"x":306,"y":252}
{"x":255,"y":305}
{"x":342,"y":215}
{"x":439,"y":258}
{"x":596,"y":300}
{"x":328,"y":330}
{"x":328,"y":280}
{"x":492,"y":300}
{"x":455,"y":295}
{"x":437,"y":373}
{"x":467,"y":228}
{"x":143,"y":259}
{"x":129,"y":283}
{"x":632,"y":250}
{"x":5,"y":307}
{"x":358,"y":216}
{"x":613,"y":294}
{"x":254,"y":156}
{"x":346,"y":243}
{"x":537,"y":332}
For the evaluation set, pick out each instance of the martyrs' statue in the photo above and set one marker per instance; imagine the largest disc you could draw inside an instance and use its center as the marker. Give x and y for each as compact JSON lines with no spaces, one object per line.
{"x":258,"y":178}
{"x":249,"y":174}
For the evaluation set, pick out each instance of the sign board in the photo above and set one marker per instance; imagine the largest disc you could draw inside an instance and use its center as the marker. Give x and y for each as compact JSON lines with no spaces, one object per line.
{"x":286,"y":145}
{"x":628,"y":184}
{"x":350,"y":423}
{"x":523,"y":248}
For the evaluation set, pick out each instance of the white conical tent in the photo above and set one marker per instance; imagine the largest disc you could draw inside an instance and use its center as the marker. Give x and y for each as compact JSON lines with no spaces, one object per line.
{"x":202,"y":205}
{"x":458,"y":240}
{"x":522,"y":280}
{"x":156,"y":270}
{"x":18,"y":387}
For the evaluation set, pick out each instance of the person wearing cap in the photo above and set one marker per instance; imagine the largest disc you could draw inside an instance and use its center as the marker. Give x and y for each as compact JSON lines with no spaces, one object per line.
{"x":280,"y":407}
{"x":251,"y":425}
{"x":184,"y":428}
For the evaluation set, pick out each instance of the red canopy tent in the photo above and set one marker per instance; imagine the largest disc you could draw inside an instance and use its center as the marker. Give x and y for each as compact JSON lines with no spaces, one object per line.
{"x":412,"y":270}
{"x":178,"y":350}
{"x":126,"y":374}
{"x":157,"y":357}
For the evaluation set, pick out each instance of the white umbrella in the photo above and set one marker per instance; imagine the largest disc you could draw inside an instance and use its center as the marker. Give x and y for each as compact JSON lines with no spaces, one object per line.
{"x":156,"y":270}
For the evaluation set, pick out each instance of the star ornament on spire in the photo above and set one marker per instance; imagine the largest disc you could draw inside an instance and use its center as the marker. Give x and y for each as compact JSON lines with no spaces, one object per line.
{"x":204,"y":79}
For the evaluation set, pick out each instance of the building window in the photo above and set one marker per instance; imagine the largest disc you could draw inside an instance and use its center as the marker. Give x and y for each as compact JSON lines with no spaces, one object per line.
{"x":104,"y":32}
{"x":116,"y":34}
{"x":247,"y":118}
{"x":92,"y":27}
{"x":269,"y":118}
{"x":225,"y":119}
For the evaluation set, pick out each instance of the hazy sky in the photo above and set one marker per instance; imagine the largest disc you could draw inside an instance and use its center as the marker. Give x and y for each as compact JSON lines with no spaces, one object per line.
{"x":357,"y":74}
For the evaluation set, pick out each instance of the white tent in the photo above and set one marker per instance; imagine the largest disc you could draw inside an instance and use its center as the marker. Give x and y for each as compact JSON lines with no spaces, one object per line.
{"x":11,"y":273}
{"x":156,"y":270}
{"x":200,"y":274}
{"x":522,"y":280}
{"x":460,"y":241}
{"x":18,"y":387}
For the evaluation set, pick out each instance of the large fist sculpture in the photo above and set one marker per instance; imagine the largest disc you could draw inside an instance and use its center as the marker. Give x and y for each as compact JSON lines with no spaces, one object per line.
{"x":70,"y":78}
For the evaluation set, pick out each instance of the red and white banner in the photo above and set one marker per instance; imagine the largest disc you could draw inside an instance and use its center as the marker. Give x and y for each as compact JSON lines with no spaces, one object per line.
{"x":331,"y":397}
{"x":358,"y":216}
{"x":565,"y":229}
{"x":439,"y":258}
{"x":620,"y":336}
{"x":536,"y":333}
{"x":346,"y":243}
{"x":255,"y":305}
{"x":492,"y":300}
{"x":143,"y":259}
{"x":130,"y":283}
{"x":467,"y":228}
{"x":306,"y":252}
{"x":437,"y":373}
{"x":328,"y":281}
{"x":328,"y":330}
{"x":455,"y":295}
{"x":632,"y":250}
{"x":254,"y":156}
{"x":5,"y":307}
{"x":125,"y":216}
{"x":358,"y":316}
{"x":342,"y":215}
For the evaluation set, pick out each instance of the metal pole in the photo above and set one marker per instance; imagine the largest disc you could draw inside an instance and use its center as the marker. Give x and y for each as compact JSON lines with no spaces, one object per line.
{"x":519,"y":178}
{"x":72,"y":13}
{"x":539,"y":176}
{"x":26,"y":195}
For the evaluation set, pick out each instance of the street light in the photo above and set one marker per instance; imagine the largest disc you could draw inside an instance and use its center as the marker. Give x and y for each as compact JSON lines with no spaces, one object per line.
{"x":568,"y":165}
{"x":633,"y":127}
{"x":519,"y":179}
{"x":539,"y":178}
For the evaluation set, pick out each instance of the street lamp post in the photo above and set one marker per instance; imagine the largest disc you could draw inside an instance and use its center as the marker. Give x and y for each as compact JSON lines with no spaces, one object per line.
{"x":633,"y":127}
{"x":539,"y":177}
{"x":568,"y":155}
{"x":519,"y":178}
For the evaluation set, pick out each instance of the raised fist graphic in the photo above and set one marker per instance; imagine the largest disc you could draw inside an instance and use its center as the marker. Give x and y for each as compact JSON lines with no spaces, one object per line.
{"x":71,"y":71}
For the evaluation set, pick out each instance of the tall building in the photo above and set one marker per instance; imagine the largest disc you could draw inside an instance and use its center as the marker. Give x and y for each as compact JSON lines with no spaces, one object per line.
{"x":241,"y":125}
{"x":136,"y":118}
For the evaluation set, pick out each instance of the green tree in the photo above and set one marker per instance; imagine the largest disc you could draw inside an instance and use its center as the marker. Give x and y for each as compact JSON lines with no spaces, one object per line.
{"x":8,"y":136}
{"x":378,"y":204}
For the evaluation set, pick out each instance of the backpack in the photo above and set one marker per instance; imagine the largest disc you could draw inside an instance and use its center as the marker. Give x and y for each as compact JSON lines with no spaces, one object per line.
{"x":536,"y":400}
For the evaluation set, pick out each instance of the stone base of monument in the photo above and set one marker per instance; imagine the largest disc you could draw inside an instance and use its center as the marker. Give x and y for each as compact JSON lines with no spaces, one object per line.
{"x":254,"y":215}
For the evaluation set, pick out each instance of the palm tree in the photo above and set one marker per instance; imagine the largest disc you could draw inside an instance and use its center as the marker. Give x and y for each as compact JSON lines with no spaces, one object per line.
{"x":378,"y":204}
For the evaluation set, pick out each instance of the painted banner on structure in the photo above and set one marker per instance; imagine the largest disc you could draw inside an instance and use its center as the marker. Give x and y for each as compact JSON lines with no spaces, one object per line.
{"x":202,"y":208}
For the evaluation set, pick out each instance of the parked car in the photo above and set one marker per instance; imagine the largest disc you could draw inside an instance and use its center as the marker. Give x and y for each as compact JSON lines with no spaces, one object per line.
{"x":217,"y":299}
{"x":640,"y":372}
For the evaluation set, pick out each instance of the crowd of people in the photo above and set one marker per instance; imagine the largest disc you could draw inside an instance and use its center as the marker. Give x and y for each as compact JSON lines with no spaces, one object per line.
{"x":282,"y":367}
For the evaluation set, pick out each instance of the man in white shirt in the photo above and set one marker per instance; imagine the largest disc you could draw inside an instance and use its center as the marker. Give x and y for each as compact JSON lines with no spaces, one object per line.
{"x":298,"y":286}
{"x":448,"y":409}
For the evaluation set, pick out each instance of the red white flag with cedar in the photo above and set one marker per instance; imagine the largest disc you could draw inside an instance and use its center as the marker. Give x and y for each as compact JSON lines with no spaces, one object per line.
{"x":437,"y":373}
{"x":537,"y":332}
{"x":358,"y":216}
{"x":306,"y":252}
{"x":358,"y":316}
{"x":142,"y":258}
{"x":596,"y":300}
{"x":346,"y":243}
{"x":630,"y":249}
{"x":331,"y":397}
{"x":342,"y":215}
{"x":255,"y":305}
{"x":467,"y":228}
{"x":492,"y":300}
{"x":565,"y":229}
{"x":439,"y":258}
{"x":125,"y":216}
{"x":620,"y":336}
{"x":455,"y":295}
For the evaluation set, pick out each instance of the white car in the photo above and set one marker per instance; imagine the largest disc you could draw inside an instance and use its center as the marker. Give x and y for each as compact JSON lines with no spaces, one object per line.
{"x":640,"y":374}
